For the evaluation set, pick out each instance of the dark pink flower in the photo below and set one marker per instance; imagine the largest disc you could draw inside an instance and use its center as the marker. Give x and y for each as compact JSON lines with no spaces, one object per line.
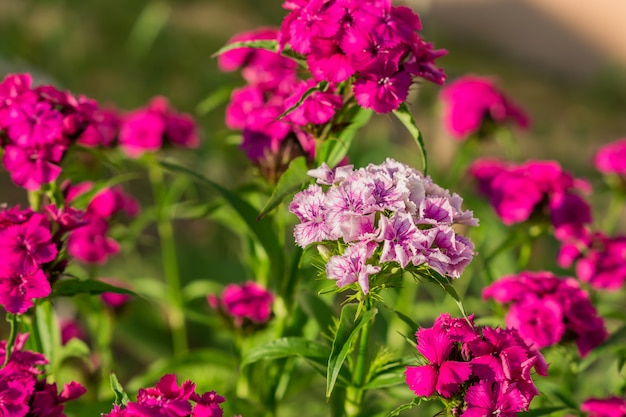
{"x":611,"y":158}
{"x":605,"y":407}
{"x":34,"y":165}
{"x":601,"y":262}
{"x":472,"y":102}
{"x":318,"y":108}
{"x":547,"y":310}
{"x":247,"y":301}
{"x":34,"y":124}
{"x":442,"y":375}
{"x":90,"y":243}
{"x":141,"y":131}
{"x":538,"y":188}
{"x":381,"y":86}
{"x":14,"y":397}
{"x":110,"y":201}
{"x":327,"y":61}
{"x":27,"y":246}
{"x":71,"y":329}
{"x":101,"y":129}
{"x":208,"y":405}
{"x":493,"y":398}
{"x":165,"y":399}
{"x":18,"y":289}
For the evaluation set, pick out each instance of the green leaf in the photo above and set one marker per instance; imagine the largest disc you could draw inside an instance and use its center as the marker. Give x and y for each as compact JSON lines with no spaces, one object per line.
{"x":48,"y":331}
{"x":386,"y":380}
{"x":346,"y":333}
{"x":541,"y":411}
{"x":443,"y":282}
{"x":292,"y":180}
{"x":286,"y":347}
{"x":74,"y":348}
{"x":334,"y":149}
{"x":121,"y":398}
{"x":314,"y":307}
{"x":321,"y":86}
{"x":270,"y":45}
{"x":262,"y":230}
{"x":396,"y":412}
{"x":407,"y":320}
{"x":214,"y":100}
{"x":73,"y":286}
{"x":404,"y":115}
{"x":200,"y":360}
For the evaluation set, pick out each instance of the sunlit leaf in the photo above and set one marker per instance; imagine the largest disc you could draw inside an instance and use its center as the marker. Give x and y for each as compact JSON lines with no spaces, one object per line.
{"x":291,"y":181}
{"x":262,"y":229}
{"x":404,"y":115}
{"x":286,"y":347}
{"x":121,"y":398}
{"x":346,"y":333}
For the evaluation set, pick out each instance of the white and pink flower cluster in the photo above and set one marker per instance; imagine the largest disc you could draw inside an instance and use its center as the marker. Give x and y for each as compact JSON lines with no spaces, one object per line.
{"x":382,"y":214}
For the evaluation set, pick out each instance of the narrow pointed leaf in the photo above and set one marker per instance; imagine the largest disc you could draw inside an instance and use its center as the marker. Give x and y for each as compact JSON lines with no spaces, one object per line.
{"x":346,"y":333}
{"x":71,"y":287}
{"x":121,"y":398}
{"x":540,"y":412}
{"x":396,"y":412}
{"x":404,"y":115}
{"x":286,"y":347}
{"x":262,"y":230}
{"x":291,"y":181}
{"x":321,"y":86}
{"x":334,"y":149}
{"x":267,"y":44}
{"x":214,"y":100}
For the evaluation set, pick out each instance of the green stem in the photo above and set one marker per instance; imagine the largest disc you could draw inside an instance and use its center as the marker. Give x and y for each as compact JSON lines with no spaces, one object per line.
{"x":176,"y":316}
{"x":13,"y":321}
{"x":355,"y":394}
{"x":614,"y":212}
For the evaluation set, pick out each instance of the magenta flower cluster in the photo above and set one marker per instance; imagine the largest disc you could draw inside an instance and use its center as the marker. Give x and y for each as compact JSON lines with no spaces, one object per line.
{"x":598,"y":258}
{"x":39,"y":124}
{"x":91,"y":243}
{"x":475,"y":105}
{"x":605,"y":407}
{"x":370,"y":40}
{"x":382,"y":214}
{"x":476,"y":371}
{"x":248,"y":302}
{"x":151,"y":128}
{"x":547,"y":310}
{"x":169,"y":399}
{"x":31,"y":255}
{"x":611,"y":159}
{"x":23,"y":387}
{"x":274,"y":87}
{"x":538,"y":190}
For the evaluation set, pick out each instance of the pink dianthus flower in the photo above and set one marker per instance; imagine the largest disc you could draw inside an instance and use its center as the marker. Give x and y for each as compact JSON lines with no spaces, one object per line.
{"x":248,"y":301}
{"x":547,"y":310}
{"x":472,"y":104}
{"x":388,"y":214}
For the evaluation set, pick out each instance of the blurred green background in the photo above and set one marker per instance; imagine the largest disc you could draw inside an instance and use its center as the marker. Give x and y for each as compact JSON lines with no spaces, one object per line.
{"x":122,"y":53}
